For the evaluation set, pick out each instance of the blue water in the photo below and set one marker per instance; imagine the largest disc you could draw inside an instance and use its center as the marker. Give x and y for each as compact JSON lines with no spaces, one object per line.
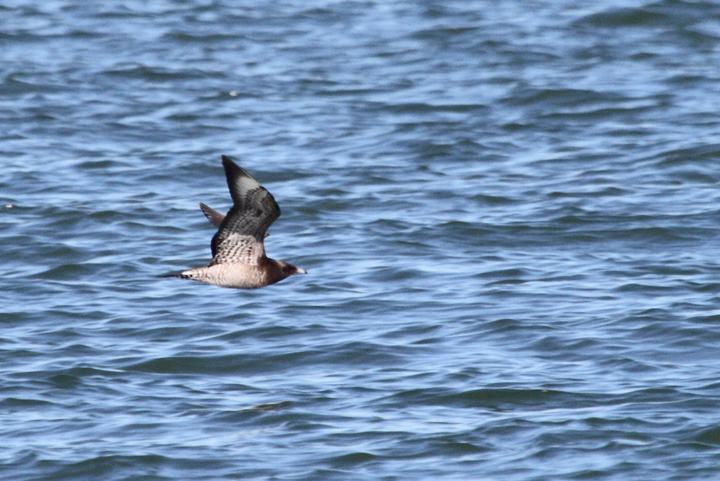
{"x":509,"y":212}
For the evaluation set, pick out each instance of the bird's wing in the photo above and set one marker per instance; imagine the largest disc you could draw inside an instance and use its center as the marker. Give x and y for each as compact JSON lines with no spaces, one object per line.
{"x":212,"y":215}
{"x":215,"y":217}
{"x":254,"y":208}
{"x":239,"y":249}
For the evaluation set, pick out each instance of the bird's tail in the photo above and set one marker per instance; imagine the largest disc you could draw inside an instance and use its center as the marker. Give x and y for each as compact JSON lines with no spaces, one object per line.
{"x":174,"y":274}
{"x":194,"y":274}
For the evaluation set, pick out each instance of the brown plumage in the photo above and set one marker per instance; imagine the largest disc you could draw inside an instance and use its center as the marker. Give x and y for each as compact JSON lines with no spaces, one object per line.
{"x":238,"y":249}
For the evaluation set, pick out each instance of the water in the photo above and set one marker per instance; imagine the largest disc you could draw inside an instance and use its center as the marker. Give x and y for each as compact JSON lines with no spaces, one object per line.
{"x":509,"y":215}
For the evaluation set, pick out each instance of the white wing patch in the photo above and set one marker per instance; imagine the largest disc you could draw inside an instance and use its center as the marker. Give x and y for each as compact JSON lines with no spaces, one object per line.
{"x":245,"y":184}
{"x":239,"y":249}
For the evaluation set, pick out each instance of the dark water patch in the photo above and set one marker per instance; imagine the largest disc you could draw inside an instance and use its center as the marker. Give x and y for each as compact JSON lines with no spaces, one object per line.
{"x":11,"y":402}
{"x":423,"y":108}
{"x":504,"y":274}
{"x":272,"y":406}
{"x":65,"y":272}
{"x":597,"y":114}
{"x":494,"y":399}
{"x":563,"y":348}
{"x":239,"y":417}
{"x":256,"y":362}
{"x":624,"y":17}
{"x":564,"y":98}
{"x":353,"y":459}
{"x":14,"y":86}
{"x":709,"y":436}
{"x":629,"y":365}
{"x":112,"y":467}
{"x":441,"y":34}
{"x":120,"y":12}
{"x":686,"y":79}
{"x":695,"y":176}
{"x":453,"y":447}
{"x":694,"y":155}
{"x":102,"y":165}
{"x":603,"y":192}
{"x":493,"y":200}
{"x":342,"y":92}
{"x":710,"y":319}
{"x":390,"y":274}
{"x":648,"y":289}
{"x":210,"y":38}
{"x":153,"y":74}
{"x":64,"y":381}
{"x":501,"y":325}
{"x":83,"y":34}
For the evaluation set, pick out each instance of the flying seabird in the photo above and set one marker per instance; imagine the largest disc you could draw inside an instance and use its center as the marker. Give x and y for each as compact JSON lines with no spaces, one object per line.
{"x":238,"y":249}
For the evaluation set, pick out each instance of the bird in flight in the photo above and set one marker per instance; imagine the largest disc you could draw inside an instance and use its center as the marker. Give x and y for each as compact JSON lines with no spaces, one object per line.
{"x":238,"y":249}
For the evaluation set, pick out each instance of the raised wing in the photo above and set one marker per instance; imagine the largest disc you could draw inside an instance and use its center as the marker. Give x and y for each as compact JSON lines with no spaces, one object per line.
{"x":212,"y":215}
{"x":254,"y":208}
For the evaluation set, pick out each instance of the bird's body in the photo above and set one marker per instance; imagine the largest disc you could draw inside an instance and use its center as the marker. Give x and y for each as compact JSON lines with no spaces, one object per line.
{"x":238,"y":275}
{"x":238,"y":249}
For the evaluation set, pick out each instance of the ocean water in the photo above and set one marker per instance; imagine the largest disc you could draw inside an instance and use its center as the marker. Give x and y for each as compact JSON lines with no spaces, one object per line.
{"x":509,"y":212}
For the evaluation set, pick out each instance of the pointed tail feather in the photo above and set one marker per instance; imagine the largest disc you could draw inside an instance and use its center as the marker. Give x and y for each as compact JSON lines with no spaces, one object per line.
{"x":193,"y":274}
{"x":172,"y":274}
{"x":181,"y":275}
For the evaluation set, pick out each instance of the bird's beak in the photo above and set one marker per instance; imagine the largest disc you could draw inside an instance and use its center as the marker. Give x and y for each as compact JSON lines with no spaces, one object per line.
{"x":301,"y":271}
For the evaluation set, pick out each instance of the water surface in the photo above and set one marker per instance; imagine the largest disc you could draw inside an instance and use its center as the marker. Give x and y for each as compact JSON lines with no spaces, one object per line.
{"x":509,"y":215}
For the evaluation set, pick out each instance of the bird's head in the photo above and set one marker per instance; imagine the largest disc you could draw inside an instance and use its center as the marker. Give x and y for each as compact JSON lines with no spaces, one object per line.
{"x":289,"y":269}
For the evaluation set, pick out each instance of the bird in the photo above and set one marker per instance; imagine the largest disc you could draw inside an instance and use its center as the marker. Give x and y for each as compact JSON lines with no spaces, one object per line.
{"x":238,"y":247}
